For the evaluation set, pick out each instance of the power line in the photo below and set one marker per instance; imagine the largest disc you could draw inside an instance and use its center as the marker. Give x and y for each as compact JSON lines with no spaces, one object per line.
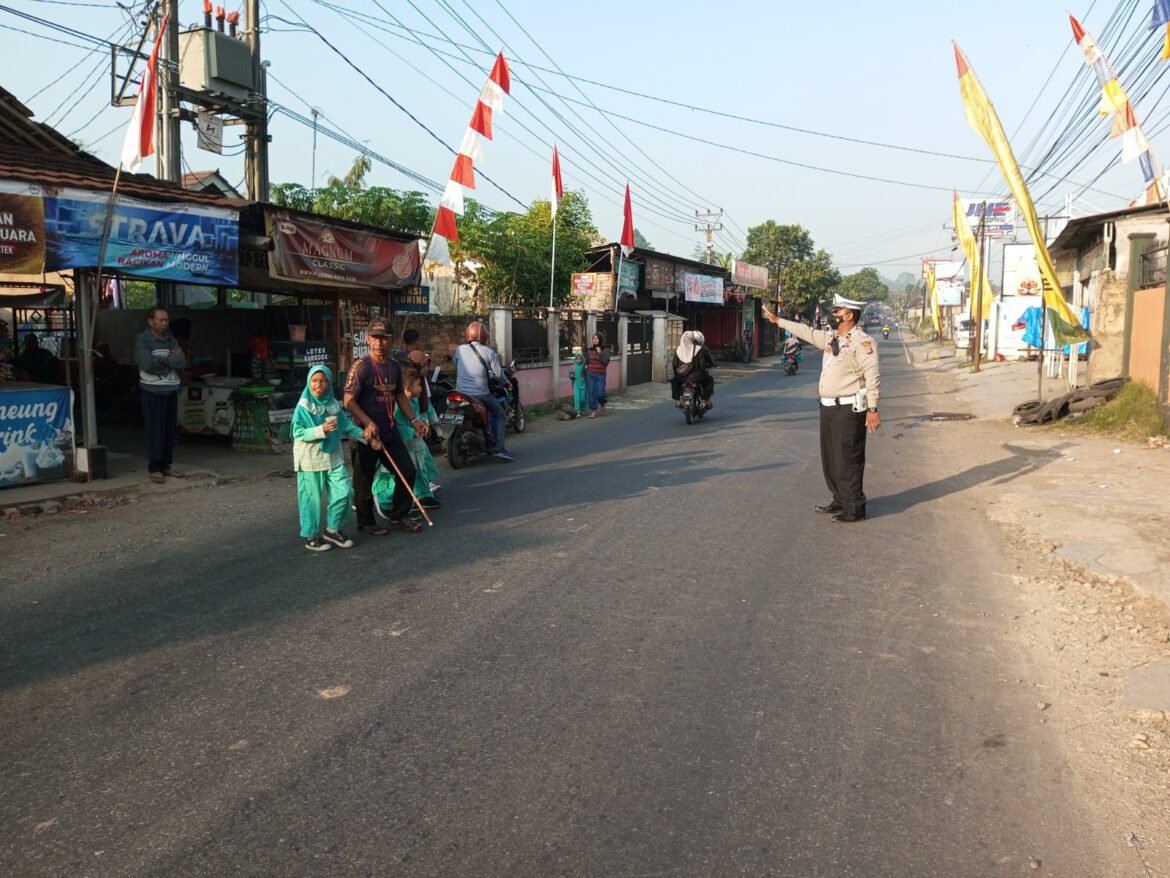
{"x":651,"y":189}
{"x":390,"y":98}
{"x":566,"y":159}
{"x":702,"y":200}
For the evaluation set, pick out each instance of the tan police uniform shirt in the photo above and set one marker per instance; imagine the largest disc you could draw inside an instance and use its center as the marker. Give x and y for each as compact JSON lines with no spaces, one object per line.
{"x":855,"y":365}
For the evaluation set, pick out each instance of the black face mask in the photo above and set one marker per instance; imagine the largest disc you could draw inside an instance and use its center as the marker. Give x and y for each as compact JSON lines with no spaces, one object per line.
{"x":834,"y":321}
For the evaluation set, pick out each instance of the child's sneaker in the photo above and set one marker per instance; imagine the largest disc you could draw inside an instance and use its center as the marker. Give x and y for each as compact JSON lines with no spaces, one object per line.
{"x":316,"y":544}
{"x":337,"y":538}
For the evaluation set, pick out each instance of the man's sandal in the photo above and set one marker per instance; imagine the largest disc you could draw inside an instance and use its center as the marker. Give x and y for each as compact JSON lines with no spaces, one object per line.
{"x":373,"y":530}
{"x":406,"y":524}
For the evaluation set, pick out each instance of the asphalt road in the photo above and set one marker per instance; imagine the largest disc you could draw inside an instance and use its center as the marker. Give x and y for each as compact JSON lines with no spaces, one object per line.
{"x":636,"y":651}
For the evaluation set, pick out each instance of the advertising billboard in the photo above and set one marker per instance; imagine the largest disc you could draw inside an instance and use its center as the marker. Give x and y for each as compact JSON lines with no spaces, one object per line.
{"x":703,"y":288}
{"x":187,"y":243}
{"x":317,"y":252}
{"x":22,"y":228}
{"x":747,"y":275}
{"x":1021,"y":274}
{"x":999,"y":216}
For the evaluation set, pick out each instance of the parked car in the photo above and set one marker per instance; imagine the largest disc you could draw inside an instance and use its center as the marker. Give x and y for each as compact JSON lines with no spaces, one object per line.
{"x":965,"y":331}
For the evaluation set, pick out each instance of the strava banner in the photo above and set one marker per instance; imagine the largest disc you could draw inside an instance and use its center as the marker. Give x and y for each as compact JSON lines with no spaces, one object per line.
{"x":22,"y":228}
{"x":315,"y":252}
{"x":186,"y":243}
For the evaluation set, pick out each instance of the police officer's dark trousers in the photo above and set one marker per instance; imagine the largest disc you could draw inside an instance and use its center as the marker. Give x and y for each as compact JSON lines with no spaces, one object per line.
{"x":843,"y":455}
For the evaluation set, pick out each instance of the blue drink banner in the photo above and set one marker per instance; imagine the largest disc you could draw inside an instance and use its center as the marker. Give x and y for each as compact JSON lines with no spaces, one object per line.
{"x":187,"y":243}
{"x":36,"y":433}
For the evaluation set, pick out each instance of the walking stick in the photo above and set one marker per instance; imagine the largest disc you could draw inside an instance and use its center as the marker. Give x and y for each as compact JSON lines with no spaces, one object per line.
{"x":413,"y":496}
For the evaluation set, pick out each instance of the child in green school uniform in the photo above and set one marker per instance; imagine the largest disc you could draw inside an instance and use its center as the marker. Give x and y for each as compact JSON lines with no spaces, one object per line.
{"x":318,"y":425}
{"x":577,"y":377}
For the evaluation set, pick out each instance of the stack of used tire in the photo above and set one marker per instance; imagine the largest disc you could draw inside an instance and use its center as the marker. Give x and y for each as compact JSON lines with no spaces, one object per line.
{"x":1081,"y":400}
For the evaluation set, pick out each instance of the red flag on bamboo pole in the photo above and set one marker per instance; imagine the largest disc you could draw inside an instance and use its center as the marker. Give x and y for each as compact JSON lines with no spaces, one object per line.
{"x":627,"y":241}
{"x":558,"y":188}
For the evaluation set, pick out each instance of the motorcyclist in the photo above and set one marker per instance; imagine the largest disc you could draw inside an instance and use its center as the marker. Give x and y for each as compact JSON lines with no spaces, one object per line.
{"x":885,"y":330}
{"x":792,"y":346}
{"x":691,"y":361}
{"x":477,"y":367}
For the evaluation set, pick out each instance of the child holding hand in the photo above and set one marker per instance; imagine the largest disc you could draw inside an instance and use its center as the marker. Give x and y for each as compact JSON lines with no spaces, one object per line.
{"x":318,"y":425}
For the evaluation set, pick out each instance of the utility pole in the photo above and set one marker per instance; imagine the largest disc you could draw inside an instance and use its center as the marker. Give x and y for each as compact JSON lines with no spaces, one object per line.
{"x":316,"y":111}
{"x":977,"y":290}
{"x":709,"y":228}
{"x":169,"y":162}
{"x":256,"y":127}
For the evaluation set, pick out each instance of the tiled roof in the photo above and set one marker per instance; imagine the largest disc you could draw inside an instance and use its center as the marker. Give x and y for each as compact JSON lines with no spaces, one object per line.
{"x":35,"y":153}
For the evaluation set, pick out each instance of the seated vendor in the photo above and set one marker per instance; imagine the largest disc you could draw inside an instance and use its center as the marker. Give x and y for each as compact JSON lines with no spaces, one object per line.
{"x":35,"y":363}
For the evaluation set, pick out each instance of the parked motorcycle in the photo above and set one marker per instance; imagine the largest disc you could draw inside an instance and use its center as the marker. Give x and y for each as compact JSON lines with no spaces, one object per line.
{"x":464,"y":419}
{"x":694,"y":406}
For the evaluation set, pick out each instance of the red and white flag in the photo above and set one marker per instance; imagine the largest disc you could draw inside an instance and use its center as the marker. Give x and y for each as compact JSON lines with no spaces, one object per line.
{"x":139,"y":142}
{"x":558,"y":188}
{"x":491,"y":101}
{"x":627,"y":241}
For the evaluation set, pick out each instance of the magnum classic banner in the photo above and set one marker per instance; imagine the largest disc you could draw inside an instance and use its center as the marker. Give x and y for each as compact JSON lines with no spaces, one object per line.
{"x":316,"y":252}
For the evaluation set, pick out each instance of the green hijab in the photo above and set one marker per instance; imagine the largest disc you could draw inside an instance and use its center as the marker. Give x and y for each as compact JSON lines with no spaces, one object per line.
{"x":312,"y":410}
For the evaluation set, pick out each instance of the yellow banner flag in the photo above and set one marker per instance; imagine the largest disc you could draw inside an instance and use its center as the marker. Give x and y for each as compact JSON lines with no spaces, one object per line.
{"x":982,"y":117}
{"x":932,"y":284}
{"x":978,"y":304}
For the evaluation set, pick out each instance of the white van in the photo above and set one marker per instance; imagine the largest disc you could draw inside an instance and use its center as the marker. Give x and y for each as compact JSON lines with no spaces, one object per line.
{"x":965,"y":331}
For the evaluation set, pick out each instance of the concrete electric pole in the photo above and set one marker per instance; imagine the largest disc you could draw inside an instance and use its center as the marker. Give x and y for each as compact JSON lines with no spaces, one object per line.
{"x":170,"y":154}
{"x":256,"y":127}
{"x":709,"y":228}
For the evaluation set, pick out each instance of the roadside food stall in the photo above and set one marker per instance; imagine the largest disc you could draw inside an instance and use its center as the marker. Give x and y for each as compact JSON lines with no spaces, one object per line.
{"x":257,"y":294}
{"x":328,"y":277}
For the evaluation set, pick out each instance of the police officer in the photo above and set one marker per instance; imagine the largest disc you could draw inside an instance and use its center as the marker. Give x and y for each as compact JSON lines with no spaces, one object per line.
{"x":849,"y":389}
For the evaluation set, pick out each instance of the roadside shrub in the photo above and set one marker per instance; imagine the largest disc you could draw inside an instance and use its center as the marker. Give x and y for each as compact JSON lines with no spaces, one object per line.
{"x":1134,"y":414}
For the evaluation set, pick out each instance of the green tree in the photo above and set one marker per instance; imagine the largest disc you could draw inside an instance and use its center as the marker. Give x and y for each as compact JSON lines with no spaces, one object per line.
{"x":776,"y":247}
{"x":513,"y":250}
{"x":640,"y":241}
{"x":349,"y":198}
{"x":864,"y":286}
{"x":808,"y":281}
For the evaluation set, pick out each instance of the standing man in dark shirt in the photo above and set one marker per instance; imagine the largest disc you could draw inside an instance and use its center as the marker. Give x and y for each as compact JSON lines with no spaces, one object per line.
{"x":372,"y":388}
{"x":158,"y":356}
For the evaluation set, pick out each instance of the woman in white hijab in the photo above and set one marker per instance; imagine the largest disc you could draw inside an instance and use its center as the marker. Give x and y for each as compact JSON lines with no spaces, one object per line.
{"x":691,"y":361}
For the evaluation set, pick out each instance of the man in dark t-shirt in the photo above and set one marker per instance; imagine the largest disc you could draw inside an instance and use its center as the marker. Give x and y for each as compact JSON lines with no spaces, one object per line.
{"x":373,"y":388}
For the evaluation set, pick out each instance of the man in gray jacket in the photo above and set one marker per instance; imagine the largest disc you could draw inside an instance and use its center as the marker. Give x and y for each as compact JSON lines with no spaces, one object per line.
{"x":158,"y":355}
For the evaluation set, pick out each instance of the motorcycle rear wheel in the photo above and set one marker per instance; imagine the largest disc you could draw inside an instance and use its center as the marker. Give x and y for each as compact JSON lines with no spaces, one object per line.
{"x":689,"y":412}
{"x":456,"y":452}
{"x":518,"y":421}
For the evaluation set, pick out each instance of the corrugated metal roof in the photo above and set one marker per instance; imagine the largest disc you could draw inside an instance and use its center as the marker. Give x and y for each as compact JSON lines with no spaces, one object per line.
{"x":36,"y":153}
{"x":1084,"y":230}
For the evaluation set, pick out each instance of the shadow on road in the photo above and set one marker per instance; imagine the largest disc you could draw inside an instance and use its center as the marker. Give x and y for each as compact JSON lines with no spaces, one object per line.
{"x":1021,"y":462}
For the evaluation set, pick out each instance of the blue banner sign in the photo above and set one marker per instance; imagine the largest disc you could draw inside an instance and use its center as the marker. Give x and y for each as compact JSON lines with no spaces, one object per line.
{"x":413,"y":300}
{"x":187,"y":243}
{"x":36,"y":433}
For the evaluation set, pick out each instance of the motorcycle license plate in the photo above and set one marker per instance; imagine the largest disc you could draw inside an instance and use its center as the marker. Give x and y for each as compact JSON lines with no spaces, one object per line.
{"x":452,"y":418}
{"x":688,"y":394}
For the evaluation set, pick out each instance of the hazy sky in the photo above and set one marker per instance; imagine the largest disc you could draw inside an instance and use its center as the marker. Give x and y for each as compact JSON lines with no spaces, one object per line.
{"x":866,"y":71}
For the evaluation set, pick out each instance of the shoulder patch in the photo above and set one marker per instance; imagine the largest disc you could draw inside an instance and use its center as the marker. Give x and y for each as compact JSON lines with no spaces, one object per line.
{"x":867,"y":346}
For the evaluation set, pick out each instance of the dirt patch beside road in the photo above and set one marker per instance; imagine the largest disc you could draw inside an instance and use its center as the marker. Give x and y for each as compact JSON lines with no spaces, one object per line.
{"x":1085,"y":524}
